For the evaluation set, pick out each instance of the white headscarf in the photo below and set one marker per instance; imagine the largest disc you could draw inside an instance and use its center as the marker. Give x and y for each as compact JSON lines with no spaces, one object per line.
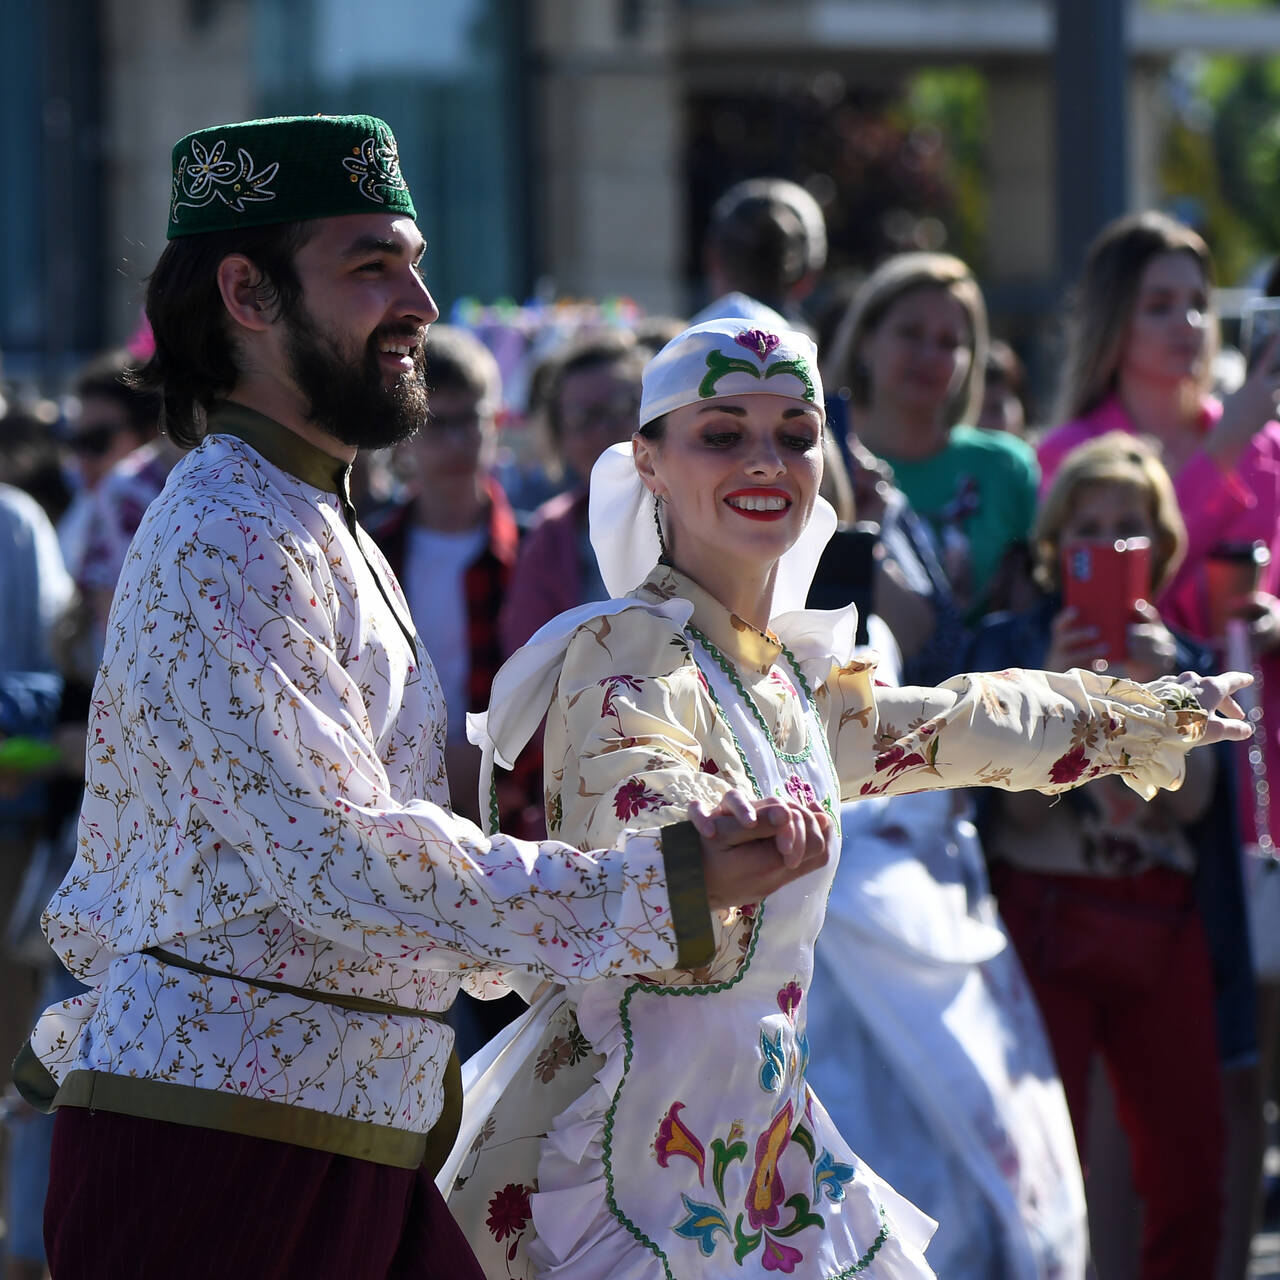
{"x":725,"y":357}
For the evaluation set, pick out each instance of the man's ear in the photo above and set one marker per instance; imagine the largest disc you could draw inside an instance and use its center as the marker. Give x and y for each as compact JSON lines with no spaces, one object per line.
{"x":240,"y":283}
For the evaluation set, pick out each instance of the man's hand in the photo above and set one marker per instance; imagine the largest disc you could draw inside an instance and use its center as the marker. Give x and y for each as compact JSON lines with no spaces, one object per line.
{"x":752,"y":847}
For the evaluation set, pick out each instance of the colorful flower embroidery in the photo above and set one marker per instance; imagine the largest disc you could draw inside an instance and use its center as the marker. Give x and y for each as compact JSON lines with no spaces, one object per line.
{"x":830,"y":1176}
{"x":765,"y":1191}
{"x":789,"y":1000}
{"x":634,"y":797}
{"x":802,"y":792}
{"x":758,"y":342}
{"x":1069,"y":767}
{"x":509,"y":1211}
{"x":611,"y":686}
{"x":563,"y":1051}
{"x":778,"y":1256}
{"x":703,"y":1222}
{"x":676,"y":1139}
{"x":774,"y":1064}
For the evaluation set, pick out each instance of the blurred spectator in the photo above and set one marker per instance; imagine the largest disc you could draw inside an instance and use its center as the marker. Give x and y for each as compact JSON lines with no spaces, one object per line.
{"x":111,"y":419}
{"x":763,"y":253}
{"x":34,"y":590}
{"x":1142,"y":335}
{"x":884,"y":562}
{"x":1003,"y":408}
{"x":592,"y":399}
{"x":654,"y":332}
{"x":910,"y":350}
{"x":30,"y":457}
{"x":452,"y":539}
{"x":1098,"y":891}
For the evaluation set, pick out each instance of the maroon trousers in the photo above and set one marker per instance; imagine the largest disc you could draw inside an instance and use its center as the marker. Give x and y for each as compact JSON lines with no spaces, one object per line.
{"x":133,"y":1199}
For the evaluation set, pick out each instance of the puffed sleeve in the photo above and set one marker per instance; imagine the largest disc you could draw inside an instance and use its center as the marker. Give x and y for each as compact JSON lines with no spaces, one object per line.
{"x":632,"y":737}
{"x":1024,"y":730}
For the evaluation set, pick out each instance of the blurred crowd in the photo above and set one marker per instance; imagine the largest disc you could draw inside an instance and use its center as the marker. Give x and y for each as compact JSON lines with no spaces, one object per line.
{"x":1141,"y":930}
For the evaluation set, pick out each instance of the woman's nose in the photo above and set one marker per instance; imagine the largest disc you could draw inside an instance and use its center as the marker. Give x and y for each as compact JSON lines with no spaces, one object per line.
{"x":765,"y":460}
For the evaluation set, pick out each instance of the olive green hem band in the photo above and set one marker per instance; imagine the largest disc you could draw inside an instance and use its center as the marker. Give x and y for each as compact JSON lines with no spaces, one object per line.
{"x":687,"y":891}
{"x":249,"y":1117}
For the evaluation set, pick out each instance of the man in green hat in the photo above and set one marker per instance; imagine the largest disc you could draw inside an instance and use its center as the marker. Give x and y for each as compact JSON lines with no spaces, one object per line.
{"x":272,"y":906}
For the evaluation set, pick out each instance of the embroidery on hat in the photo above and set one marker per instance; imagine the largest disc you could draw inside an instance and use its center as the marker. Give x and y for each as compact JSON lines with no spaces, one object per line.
{"x":375,"y":165}
{"x":719,"y":364}
{"x":757,"y":341}
{"x":205,"y":176}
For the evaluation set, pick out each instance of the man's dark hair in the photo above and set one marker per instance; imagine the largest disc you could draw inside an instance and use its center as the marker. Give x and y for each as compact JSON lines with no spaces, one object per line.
{"x":112,"y":376}
{"x":613,"y":347}
{"x":194,"y":361}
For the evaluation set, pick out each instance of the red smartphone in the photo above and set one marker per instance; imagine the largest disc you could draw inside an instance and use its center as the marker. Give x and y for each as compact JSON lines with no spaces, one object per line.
{"x":1103,"y":582}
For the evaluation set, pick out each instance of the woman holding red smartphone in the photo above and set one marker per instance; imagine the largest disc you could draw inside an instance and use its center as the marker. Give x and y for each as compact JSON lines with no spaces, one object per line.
{"x":1097,"y":893}
{"x":1142,"y":335}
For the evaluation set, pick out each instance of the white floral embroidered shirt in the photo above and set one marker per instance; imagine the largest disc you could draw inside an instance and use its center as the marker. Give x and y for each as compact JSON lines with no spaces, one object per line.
{"x":266,"y":798}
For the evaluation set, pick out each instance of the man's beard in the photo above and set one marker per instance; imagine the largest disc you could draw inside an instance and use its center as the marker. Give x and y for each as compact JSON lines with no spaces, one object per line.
{"x":350,"y":399}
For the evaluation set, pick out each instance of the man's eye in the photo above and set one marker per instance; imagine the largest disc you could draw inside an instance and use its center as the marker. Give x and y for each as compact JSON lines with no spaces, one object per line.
{"x":376,"y":267}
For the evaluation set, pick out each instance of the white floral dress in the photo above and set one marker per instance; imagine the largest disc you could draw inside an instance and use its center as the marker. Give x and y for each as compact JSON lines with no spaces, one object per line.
{"x":698,"y":1148}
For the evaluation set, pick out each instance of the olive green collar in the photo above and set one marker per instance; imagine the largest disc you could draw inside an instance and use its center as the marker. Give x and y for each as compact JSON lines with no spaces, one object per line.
{"x":280,"y":446}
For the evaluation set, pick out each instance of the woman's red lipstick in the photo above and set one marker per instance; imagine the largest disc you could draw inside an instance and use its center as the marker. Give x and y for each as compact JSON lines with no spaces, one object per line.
{"x":767,"y":504}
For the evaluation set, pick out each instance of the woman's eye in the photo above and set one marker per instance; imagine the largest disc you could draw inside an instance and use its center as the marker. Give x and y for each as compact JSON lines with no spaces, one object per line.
{"x":801,"y":444}
{"x":721,"y":439}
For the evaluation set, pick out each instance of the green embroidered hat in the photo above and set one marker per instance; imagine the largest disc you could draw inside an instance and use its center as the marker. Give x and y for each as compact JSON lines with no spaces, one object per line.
{"x":285,"y":169}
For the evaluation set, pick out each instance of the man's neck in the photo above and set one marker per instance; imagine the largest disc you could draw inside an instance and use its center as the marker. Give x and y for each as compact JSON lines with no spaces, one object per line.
{"x":453,"y":508}
{"x":282,"y":404}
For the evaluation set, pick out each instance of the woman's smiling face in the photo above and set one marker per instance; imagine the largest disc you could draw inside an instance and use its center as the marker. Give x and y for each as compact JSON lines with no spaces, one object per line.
{"x":738,"y":477}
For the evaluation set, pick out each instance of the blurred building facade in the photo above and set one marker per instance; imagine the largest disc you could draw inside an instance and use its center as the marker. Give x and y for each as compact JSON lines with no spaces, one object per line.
{"x":545,"y":140}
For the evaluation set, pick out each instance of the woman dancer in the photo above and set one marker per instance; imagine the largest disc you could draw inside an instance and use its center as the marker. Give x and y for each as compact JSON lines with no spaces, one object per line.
{"x":697,"y":1149}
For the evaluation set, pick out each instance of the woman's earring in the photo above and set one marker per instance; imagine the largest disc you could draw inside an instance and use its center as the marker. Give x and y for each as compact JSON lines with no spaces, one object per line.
{"x":657,"y":522}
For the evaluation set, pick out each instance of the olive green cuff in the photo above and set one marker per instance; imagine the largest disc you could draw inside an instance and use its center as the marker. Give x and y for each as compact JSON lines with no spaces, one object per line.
{"x":687,"y":892}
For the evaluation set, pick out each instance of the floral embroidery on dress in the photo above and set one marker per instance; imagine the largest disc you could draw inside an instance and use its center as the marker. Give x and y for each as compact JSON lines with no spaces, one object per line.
{"x":762,"y":1221}
{"x":632,"y":798}
{"x":563,"y":1051}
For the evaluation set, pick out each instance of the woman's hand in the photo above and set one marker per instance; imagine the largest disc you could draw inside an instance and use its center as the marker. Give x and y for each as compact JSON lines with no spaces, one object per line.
{"x":1262,"y":612}
{"x":1152,"y":649}
{"x":753,"y":847}
{"x":1073,"y":644}
{"x":1214,"y":694}
{"x":1247,"y":409}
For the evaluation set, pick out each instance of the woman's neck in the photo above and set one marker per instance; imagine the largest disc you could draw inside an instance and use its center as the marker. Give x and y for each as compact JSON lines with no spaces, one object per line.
{"x":1169,"y":411}
{"x":744,"y":590}
{"x":888,"y":430}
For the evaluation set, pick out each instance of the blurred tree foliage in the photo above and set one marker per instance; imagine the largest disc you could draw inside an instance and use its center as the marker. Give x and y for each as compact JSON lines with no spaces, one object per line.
{"x":1221,"y":160}
{"x":894,"y":168}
